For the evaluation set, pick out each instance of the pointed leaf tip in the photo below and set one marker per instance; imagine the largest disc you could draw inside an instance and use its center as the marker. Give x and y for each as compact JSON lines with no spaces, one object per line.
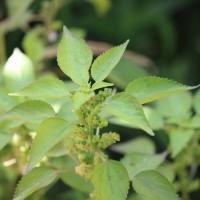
{"x":105,"y":63}
{"x":66,"y":31}
{"x":151,"y":88}
{"x":74,"y":57}
{"x":127,"y":107}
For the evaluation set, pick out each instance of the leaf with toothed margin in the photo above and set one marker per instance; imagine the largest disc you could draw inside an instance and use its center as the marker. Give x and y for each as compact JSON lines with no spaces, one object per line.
{"x":33,"y":111}
{"x":148,"y":89}
{"x":46,"y":87}
{"x":50,"y":132}
{"x":103,"y":65}
{"x":126,"y":107}
{"x":74,"y":57}
{"x":154,"y":186}
{"x":100,"y":84}
{"x":110,"y":180}
{"x":36,"y":179}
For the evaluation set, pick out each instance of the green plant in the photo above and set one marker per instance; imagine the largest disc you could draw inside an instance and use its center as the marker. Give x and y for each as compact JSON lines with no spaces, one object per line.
{"x":176,"y":121}
{"x":182,"y":126}
{"x":67,"y":124}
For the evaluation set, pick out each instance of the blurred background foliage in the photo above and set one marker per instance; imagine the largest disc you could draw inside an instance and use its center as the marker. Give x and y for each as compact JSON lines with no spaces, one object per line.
{"x":165,"y":31}
{"x":164,"y":40}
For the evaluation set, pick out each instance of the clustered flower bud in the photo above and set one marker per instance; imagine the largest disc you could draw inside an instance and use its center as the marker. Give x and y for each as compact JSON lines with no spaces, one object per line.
{"x":89,"y":111}
{"x":86,"y":146}
{"x":108,"y":139}
{"x":84,"y":170}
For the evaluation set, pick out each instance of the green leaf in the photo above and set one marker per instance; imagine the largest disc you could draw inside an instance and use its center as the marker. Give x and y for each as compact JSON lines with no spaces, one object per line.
{"x":138,"y":162}
{"x":103,"y":65}
{"x":195,"y":122}
{"x":148,"y":89}
{"x":46,"y":87}
{"x":74,"y":58}
{"x":6,"y":102}
{"x":135,"y":145}
{"x":176,"y":105}
{"x":33,"y":44}
{"x":50,"y":132}
{"x":121,"y":122}
{"x":33,"y":111}
{"x":80,"y":98}
{"x":62,"y":163}
{"x":58,"y":150}
{"x":65,"y":112}
{"x":154,"y":186}
{"x":167,"y":171}
{"x":101,"y":84}
{"x":38,"y":178}
{"x":76,"y":181}
{"x":9,"y":124}
{"x":154,"y":118}
{"x":18,"y":71}
{"x":5,"y":138}
{"x":179,"y":139}
{"x":137,"y":197}
{"x":110,"y":180}
{"x":197,"y":102}
{"x":127,"y":108}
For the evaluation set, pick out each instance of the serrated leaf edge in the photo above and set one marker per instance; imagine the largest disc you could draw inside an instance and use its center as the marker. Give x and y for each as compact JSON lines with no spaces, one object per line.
{"x":28,"y":169}
{"x":17,"y":93}
{"x":184,"y":87}
{"x":7,"y":113}
{"x":17,"y":186}
{"x":102,"y":54}
{"x":67,"y":32}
